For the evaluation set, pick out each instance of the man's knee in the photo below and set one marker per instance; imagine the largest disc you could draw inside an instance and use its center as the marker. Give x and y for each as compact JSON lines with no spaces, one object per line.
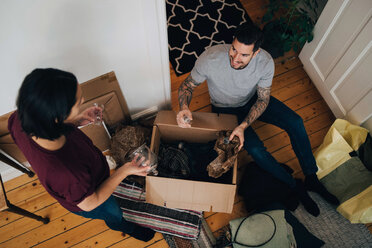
{"x":255,"y":150}
{"x":296,"y":120}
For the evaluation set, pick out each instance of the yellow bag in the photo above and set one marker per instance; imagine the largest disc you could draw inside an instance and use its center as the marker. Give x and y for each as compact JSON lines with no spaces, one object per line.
{"x":341,"y":139}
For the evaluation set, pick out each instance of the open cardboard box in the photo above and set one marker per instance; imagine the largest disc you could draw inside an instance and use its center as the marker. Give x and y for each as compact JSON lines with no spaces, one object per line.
{"x":104,"y":90}
{"x":187,"y":194}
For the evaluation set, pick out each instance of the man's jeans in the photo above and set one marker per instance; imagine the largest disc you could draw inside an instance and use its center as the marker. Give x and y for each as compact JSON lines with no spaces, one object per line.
{"x":110,"y":212}
{"x":278,"y":114}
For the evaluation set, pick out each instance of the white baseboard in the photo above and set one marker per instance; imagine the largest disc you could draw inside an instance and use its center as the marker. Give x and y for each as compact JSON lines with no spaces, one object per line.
{"x":146,"y":112}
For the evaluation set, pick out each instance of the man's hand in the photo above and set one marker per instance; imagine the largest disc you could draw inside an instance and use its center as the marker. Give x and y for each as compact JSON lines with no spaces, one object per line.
{"x":184,"y":118}
{"x":263,"y":98}
{"x":89,"y":115}
{"x":239,"y":132}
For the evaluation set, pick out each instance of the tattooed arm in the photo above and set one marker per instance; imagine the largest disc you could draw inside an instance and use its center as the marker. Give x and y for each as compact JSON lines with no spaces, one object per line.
{"x":184,"y":98}
{"x":185,"y":92}
{"x":263,"y":98}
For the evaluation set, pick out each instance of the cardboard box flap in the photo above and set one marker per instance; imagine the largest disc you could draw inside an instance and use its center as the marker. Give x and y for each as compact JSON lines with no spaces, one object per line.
{"x":103,"y":85}
{"x":194,"y":135}
{"x":99,"y":135}
{"x":4,"y":123}
{"x":201,"y":120}
{"x":188,"y":194}
{"x":6,"y":141}
{"x":112,"y":113}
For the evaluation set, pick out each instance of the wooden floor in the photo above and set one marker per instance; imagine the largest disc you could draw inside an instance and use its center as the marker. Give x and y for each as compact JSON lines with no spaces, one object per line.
{"x":291,"y":85}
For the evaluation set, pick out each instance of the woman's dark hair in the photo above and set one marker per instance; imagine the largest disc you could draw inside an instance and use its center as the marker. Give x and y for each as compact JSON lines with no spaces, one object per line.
{"x":45,"y":100}
{"x":248,"y":34}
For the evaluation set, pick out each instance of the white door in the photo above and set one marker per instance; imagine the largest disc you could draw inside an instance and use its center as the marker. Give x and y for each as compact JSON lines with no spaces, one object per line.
{"x":339,"y":59}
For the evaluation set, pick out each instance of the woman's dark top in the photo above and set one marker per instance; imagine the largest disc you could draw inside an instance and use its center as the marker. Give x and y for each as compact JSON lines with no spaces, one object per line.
{"x":69,"y":174}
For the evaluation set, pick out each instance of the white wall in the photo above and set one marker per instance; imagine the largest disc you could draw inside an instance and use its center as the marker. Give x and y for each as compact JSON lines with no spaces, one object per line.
{"x":368,"y":124}
{"x":87,"y":38}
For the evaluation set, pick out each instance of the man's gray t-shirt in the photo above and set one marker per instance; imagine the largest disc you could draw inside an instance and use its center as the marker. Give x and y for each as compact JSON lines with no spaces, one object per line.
{"x":229,"y":87}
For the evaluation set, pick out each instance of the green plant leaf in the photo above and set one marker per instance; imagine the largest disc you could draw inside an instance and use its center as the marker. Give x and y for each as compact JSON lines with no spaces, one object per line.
{"x":302,"y":40}
{"x":284,"y":36}
{"x":310,"y":37}
{"x":315,"y":4}
{"x":302,"y":11}
{"x":289,"y":24}
{"x":287,"y":46}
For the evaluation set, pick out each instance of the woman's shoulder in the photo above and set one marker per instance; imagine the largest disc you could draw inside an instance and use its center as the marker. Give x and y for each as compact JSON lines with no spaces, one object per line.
{"x":13,"y":122}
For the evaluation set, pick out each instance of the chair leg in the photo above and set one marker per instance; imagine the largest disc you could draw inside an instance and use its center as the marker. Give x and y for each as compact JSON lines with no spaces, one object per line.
{"x":5,"y":158}
{"x":17,"y":210}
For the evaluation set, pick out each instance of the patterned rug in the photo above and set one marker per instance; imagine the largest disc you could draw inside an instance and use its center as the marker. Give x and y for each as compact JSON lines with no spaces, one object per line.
{"x":332,"y":227}
{"x":176,"y":222}
{"x":205,"y":239}
{"x":196,"y":25}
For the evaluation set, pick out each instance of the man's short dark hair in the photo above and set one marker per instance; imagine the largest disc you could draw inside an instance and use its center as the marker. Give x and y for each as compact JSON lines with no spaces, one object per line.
{"x":248,"y":34}
{"x":45,"y":100}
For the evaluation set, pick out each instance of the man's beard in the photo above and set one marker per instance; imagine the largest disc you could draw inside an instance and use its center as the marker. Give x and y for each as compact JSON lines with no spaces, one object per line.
{"x":239,"y":68}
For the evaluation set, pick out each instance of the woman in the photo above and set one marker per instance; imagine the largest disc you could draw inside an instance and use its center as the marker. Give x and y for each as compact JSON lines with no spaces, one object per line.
{"x":67,"y":163}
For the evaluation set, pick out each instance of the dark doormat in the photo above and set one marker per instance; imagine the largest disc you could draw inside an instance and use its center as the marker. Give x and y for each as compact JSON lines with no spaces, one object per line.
{"x":196,"y":25}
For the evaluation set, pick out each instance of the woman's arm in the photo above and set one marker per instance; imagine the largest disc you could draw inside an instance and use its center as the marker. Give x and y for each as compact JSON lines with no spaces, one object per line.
{"x":105,"y":190}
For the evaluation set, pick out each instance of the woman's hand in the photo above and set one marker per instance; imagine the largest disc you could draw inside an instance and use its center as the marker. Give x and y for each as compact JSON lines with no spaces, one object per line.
{"x":89,"y":115}
{"x":134,"y":167}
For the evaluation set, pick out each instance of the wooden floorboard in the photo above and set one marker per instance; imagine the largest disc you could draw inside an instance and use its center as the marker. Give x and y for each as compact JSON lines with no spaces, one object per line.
{"x":290,"y":85}
{"x":18,"y":181}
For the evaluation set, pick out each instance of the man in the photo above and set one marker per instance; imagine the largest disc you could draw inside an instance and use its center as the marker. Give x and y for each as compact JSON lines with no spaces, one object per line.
{"x":239,"y":78}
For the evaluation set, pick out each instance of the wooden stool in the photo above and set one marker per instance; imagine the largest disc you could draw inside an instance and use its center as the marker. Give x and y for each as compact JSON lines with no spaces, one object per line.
{"x":6,"y":205}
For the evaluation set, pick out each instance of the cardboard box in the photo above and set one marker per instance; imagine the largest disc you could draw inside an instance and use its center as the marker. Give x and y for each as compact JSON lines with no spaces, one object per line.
{"x":187,"y":194}
{"x":99,"y":135}
{"x":104,"y":90}
{"x":7,"y":144}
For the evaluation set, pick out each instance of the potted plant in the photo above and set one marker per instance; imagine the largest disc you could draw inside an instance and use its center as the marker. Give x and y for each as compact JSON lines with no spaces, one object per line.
{"x":288,"y":25}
